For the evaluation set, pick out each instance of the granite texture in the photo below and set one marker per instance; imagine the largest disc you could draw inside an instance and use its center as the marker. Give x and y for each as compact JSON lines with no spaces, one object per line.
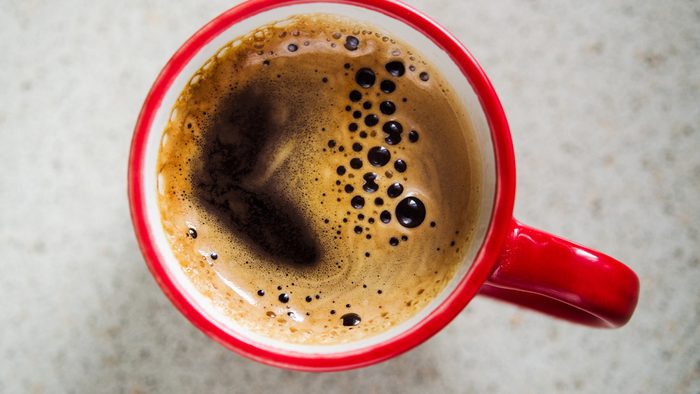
{"x":603,"y":100}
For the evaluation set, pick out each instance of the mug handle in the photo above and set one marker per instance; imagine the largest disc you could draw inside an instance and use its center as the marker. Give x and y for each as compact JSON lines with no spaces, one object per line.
{"x":541,"y":271}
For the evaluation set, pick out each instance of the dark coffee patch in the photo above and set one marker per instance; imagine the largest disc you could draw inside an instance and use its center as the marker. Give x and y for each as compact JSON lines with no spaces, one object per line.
{"x":233,"y":147}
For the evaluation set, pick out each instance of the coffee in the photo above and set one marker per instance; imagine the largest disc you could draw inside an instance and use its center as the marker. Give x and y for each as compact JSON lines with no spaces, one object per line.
{"x":318,"y":181}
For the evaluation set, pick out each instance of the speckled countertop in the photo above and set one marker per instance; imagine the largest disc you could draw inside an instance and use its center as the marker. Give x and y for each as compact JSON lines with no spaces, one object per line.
{"x":603,"y":100}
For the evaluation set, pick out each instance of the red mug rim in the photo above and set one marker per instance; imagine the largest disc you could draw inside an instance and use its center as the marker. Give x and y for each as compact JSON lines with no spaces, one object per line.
{"x":465,"y":290}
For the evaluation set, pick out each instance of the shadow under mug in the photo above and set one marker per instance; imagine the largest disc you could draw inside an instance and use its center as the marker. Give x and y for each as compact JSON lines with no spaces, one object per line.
{"x":507,"y":260}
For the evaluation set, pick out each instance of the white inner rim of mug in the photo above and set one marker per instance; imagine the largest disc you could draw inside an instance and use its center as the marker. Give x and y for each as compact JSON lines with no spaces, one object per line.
{"x":394,"y":28}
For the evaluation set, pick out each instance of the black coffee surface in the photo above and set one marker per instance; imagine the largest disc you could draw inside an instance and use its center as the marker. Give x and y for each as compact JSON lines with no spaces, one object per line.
{"x":232,"y":150}
{"x":313,"y":186}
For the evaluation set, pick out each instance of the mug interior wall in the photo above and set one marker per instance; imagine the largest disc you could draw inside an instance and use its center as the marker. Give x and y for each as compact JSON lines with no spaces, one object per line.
{"x":394,"y":28}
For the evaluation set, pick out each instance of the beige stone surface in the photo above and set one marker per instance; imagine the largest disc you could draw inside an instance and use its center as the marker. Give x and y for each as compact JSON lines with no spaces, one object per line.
{"x":603,"y":100}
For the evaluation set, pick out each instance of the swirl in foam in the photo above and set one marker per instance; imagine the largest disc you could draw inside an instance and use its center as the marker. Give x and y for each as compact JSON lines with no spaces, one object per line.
{"x":317,"y":181}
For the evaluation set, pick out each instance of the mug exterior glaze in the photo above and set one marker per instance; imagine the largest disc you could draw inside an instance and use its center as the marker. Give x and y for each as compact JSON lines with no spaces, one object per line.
{"x":513,"y":262}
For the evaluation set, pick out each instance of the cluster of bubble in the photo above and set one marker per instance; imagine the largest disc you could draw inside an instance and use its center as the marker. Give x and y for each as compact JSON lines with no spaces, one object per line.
{"x":410,"y":211}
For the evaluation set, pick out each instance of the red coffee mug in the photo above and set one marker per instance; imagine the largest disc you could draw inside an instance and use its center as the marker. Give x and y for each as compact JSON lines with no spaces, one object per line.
{"x":509,"y":260}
